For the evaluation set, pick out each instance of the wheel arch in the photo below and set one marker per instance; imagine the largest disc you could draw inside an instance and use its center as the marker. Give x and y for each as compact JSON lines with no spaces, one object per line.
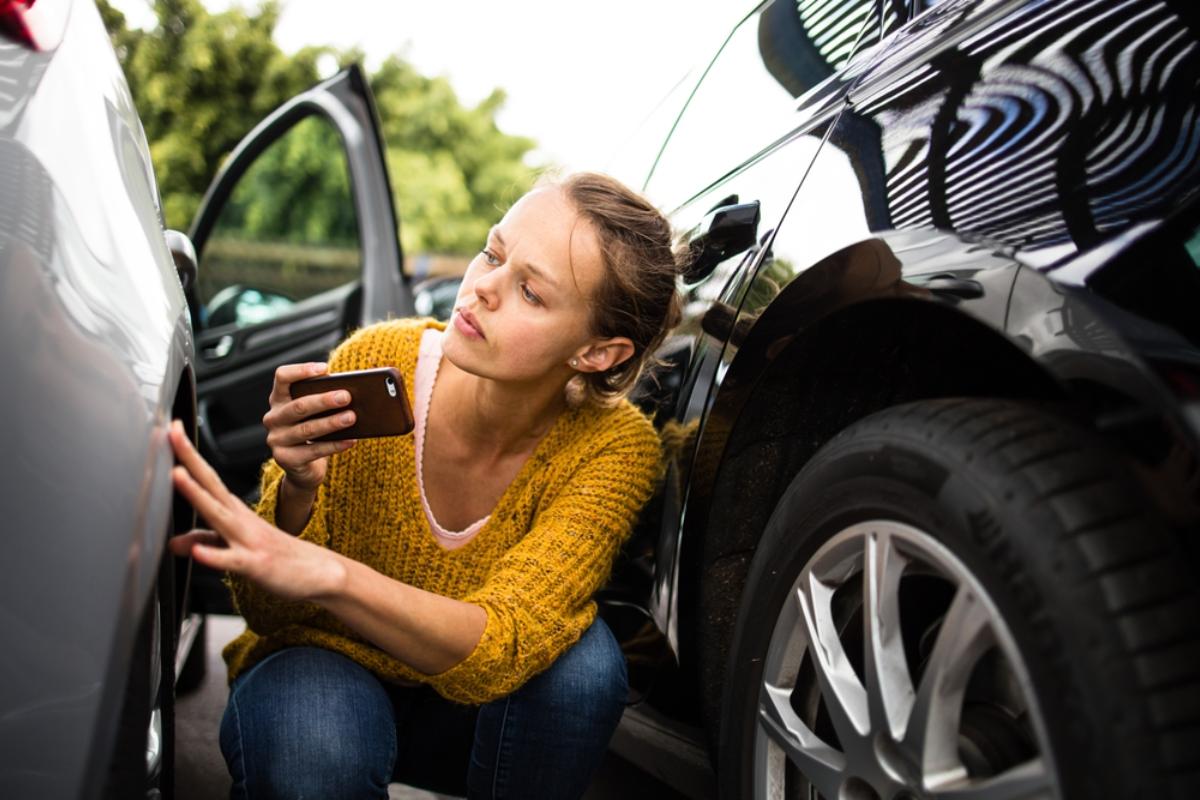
{"x":858,"y":360}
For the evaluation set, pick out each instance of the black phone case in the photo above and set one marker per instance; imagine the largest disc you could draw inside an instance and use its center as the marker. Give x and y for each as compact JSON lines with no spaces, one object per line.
{"x":377,"y":397}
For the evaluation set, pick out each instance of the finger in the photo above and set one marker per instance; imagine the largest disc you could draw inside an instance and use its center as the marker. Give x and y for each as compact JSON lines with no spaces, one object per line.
{"x":207,"y":506}
{"x":288,"y":374}
{"x":218,"y":558}
{"x":304,"y":407}
{"x":196,"y":466}
{"x":309,"y":430}
{"x":279,"y":418}
{"x":301,"y":455}
{"x":182,"y":544}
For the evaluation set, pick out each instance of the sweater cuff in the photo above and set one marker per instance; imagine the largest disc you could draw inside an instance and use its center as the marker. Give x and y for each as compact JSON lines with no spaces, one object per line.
{"x":466,"y":681}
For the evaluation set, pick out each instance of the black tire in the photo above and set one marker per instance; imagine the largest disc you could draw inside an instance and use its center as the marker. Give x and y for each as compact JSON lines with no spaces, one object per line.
{"x":151,"y":685}
{"x":1097,"y":594}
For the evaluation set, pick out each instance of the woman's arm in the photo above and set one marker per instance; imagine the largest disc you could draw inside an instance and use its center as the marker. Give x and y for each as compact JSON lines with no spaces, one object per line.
{"x":294,"y":506}
{"x":428,"y":632}
{"x":534,"y":605}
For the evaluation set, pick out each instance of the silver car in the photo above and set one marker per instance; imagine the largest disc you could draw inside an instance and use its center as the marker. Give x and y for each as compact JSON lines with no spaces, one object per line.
{"x":100,"y":307}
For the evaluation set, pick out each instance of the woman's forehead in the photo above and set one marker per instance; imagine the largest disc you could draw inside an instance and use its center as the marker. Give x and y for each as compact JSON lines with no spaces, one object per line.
{"x":544,"y":231}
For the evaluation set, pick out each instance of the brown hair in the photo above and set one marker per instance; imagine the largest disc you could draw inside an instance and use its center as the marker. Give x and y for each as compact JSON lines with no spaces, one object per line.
{"x":637,"y":297}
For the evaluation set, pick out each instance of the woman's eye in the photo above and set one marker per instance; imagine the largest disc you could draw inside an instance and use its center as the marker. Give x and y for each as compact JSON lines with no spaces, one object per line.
{"x":491,"y":258}
{"x":528,"y":295}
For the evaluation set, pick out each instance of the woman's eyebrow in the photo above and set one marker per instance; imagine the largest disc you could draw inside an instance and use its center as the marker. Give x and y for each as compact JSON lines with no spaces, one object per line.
{"x":537,"y":272}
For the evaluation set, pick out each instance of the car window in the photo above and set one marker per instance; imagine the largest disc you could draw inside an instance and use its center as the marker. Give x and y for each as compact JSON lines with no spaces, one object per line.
{"x":287,"y":232}
{"x":743,"y":101}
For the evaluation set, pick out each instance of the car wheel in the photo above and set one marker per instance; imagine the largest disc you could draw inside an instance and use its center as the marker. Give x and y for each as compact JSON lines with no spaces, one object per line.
{"x":144,"y":755}
{"x":964,"y":599}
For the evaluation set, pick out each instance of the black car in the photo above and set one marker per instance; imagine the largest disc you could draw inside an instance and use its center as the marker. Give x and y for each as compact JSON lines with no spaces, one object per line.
{"x":928,"y":528}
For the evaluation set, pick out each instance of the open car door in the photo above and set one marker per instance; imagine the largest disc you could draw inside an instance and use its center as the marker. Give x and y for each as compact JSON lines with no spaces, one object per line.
{"x":297,"y":246}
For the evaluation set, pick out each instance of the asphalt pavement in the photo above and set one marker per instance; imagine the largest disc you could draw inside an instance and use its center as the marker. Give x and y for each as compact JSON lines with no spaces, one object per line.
{"x":201,"y":774}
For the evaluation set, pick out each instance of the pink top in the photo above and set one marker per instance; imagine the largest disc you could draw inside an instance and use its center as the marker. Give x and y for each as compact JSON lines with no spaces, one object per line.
{"x":429,"y":358}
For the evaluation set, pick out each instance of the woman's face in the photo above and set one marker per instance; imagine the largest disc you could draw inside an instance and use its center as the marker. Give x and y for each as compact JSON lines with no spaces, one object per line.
{"x":523,"y":310}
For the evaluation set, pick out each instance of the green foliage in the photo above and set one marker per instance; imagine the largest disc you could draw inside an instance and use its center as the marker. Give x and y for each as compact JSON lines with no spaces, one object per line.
{"x":201,"y":81}
{"x":297,"y":191}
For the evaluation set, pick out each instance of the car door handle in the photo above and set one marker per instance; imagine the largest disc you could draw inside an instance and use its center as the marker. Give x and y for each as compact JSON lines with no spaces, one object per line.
{"x":956,"y":287}
{"x":218,"y":349}
{"x":724,"y":232}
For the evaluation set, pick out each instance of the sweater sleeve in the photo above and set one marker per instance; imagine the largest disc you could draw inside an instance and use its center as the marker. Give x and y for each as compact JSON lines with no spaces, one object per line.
{"x":538,"y":595}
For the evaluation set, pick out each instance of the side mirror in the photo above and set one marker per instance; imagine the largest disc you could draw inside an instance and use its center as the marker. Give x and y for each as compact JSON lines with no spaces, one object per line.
{"x":724,"y":232}
{"x":186,"y":266}
{"x":184,"y":255}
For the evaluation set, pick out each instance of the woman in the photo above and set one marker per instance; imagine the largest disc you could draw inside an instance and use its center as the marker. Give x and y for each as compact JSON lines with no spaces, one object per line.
{"x":419,"y":609}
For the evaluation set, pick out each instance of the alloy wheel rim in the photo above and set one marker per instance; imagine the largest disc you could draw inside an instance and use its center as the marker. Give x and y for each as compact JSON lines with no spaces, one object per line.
{"x":884,"y":722}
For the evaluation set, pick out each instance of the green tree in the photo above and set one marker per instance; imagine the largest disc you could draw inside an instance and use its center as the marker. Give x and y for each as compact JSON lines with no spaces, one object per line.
{"x":201,"y":81}
{"x":453,"y":171}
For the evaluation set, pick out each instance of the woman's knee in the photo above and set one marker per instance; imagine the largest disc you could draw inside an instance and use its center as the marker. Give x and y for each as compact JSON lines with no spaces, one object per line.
{"x":548,"y":737}
{"x":589,"y":677}
{"x":307,"y":722}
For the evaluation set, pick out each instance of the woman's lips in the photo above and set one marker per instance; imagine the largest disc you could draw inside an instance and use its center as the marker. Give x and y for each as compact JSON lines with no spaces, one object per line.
{"x":467,"y":325}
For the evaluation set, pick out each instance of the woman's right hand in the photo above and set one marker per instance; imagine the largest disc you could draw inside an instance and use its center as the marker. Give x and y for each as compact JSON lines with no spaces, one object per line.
{"x":291,"y":431}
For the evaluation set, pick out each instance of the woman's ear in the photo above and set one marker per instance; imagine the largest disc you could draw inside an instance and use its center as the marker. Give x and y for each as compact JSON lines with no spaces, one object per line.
{"x":603,"y":354}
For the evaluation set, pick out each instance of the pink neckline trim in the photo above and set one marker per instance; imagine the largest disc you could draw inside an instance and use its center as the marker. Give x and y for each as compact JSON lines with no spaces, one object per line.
{"x":429,"y":359}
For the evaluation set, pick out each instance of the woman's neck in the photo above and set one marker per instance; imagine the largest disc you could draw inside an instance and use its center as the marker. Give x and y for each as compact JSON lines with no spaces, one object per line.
{"x":494,"y":419}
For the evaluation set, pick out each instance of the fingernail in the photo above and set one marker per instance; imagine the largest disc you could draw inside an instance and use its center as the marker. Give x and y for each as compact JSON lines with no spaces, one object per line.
{"x":347,"y":418}
{"x":341,"y":397}
{"x":317,"y":367}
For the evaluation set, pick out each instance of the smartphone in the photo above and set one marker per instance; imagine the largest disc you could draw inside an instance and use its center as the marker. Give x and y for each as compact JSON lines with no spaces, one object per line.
{"x":377,"y":398}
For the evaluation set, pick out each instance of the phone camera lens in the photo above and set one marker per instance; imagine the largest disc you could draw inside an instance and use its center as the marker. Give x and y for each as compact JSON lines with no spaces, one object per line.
{"x":391,"y":386}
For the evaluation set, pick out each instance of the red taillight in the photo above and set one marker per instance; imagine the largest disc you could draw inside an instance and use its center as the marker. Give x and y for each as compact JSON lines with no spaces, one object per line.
{"x":36,"y":23}
{"x":13,"y":22}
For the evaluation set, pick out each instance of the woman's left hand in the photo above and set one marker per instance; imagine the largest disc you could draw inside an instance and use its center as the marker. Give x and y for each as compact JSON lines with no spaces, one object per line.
{"x":241,"y":541}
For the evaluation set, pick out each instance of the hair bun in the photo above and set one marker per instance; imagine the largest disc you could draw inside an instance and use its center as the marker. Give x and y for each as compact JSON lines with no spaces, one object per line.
{"x":638,"y":297}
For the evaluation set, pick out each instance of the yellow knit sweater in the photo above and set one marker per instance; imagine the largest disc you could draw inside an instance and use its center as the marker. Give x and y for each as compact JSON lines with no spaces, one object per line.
{"x":548,"y":545}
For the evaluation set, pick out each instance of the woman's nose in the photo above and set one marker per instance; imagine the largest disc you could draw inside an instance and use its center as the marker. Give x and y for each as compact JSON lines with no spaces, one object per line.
{"x":485,"y":289}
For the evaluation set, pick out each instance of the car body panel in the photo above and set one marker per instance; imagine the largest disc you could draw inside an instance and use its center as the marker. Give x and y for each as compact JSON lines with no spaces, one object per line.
{"x":962,"y":185}
{"x":97,"y":346}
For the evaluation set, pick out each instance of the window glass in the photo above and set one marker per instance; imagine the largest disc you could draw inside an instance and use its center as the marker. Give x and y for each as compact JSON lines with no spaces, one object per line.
{"x":744,"y":100}
{"x":287,"y":232}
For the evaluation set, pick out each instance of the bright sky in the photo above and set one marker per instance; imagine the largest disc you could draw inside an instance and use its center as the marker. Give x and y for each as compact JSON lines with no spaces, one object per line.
{"x":581,"y":77}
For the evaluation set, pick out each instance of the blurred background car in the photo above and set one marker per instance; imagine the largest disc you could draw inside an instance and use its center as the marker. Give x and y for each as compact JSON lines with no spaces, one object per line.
{"x":97,"y":361}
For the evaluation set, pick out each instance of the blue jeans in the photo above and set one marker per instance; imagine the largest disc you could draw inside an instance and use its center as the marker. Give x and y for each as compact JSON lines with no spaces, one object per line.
{"x":310,"y":723}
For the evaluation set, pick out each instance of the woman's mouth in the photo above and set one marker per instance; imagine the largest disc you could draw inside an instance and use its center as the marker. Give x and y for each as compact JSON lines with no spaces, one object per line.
{"x":467,"y":325}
